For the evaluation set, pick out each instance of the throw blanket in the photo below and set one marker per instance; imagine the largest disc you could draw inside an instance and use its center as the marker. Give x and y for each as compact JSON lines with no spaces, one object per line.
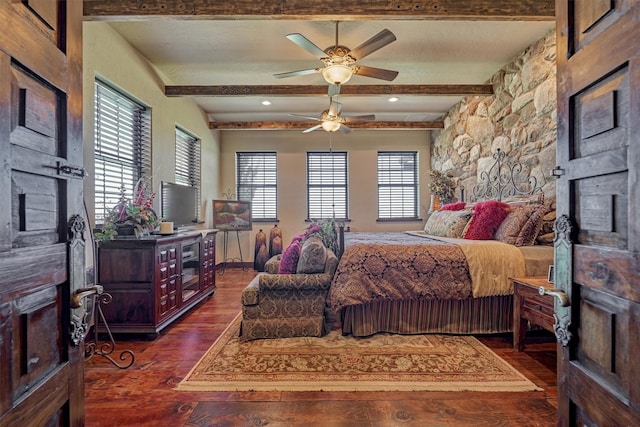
{"x":491,"y":263}
{"x":397,"y":266}
{"x":400,"y":266}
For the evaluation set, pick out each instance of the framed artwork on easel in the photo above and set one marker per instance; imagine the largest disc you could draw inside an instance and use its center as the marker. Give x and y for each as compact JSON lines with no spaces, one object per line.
{"x":232,"y":215}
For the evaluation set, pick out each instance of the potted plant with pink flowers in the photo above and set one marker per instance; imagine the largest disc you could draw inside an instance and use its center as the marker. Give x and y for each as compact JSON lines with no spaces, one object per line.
{"x":131,"y":217}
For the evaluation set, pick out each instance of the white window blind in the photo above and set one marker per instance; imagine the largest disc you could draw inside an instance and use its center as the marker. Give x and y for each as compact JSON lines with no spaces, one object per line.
{"x":327,"y":189}
{"x":122,"y":146}
{"x":257,"y":182}
{"x":188,"y":162}
{"x":397,"y":185}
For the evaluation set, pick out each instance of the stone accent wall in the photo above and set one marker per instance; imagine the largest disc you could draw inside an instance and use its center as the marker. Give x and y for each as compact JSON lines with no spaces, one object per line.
{"x":519,"y":119}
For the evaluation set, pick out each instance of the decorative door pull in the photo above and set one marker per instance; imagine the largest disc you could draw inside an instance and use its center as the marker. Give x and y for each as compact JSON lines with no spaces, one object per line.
{"x":562,"y":297}
{"x":80,"y":294}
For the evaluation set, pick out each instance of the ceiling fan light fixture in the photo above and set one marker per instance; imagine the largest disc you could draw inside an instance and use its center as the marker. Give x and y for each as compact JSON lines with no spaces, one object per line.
{"x":337,"y":74}
{"x":330,"y":125}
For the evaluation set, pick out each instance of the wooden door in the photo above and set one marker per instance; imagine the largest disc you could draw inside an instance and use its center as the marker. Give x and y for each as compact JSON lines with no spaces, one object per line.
{"x":41,"y":228}
{"x":598,"y":226}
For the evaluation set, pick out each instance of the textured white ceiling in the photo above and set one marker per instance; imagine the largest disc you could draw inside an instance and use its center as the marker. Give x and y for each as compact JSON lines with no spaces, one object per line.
{"x":249,"y":52}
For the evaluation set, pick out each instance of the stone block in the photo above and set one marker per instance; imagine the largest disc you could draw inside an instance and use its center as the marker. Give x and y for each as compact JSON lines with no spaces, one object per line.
{"x":545,"y":97}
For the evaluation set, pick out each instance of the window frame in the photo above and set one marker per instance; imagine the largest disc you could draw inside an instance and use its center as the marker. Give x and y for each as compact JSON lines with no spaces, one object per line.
{"x":324,"y":174}
{"x":267,"y":167}
{"x":188,"y":165}
{"x":398,"y":184}
{"x":122,"y":146}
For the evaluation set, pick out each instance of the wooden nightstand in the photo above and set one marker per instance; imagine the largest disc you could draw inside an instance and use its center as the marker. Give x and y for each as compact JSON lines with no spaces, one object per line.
{"x":529,"y":305}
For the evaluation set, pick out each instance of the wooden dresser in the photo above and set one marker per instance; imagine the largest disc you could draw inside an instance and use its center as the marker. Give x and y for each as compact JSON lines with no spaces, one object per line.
{"x":155,"y":279}
{"x":530,"y":306}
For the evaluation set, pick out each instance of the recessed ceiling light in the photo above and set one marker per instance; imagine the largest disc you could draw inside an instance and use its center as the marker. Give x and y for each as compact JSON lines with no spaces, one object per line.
{"x":266,"y":102}
{"x":393,"y":99}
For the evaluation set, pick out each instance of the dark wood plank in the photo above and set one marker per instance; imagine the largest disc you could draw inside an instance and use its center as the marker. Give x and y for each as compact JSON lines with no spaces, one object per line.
{"x":42,"y":377}
{"x":599,"y":115}
{"x":603,"y":111}
{"x":33,"y":51}
{"x":597,"y":263}
{"x":321,"y":90}
{"x":5,"y":147}
{"x":590,"y":12}
{"x":52,"y":259}
{"x":305,"y":125}
{"x":619,"y":276}
{"x":536,"y":10}
{"x":143,"y":395}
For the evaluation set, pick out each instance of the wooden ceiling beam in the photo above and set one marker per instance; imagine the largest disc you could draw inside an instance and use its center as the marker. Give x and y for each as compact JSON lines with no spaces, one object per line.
{"x":301,"y":125}
{"x":510,"y":10}
{"x":305,"y":90}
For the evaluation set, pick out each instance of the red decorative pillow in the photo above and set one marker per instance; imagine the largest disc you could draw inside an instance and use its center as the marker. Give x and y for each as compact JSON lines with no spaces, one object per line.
{"x":487,"y":217}
{"x":289,"y":258}
{"x":457,"y":206}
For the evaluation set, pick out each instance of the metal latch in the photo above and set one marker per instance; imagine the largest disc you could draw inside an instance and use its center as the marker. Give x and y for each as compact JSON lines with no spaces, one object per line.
{"x":69,"y":170}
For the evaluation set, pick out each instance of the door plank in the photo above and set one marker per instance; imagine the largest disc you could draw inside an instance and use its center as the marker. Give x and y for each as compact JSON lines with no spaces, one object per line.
{"x":33,"y":52}
{"x":619,"y":274}
{"x":597,"y":200}
{"x":40,"y":129}
{"x":52,"y":258}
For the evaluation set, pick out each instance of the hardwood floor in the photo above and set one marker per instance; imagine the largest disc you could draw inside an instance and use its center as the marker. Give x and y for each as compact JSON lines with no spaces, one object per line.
{"x":143,"y":394}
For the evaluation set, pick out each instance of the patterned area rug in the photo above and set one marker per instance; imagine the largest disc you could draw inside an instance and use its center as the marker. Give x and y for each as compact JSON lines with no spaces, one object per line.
{"x":383,"y":362}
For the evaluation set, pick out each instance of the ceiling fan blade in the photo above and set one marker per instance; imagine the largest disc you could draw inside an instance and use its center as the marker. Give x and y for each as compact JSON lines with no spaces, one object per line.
{"x":307,"y":45}
{"x":311,"y":129}
{"x":297,"y":73}
{"x":305,"y":117}
{"x":334,"y":108}
{"x":365,"y":118}
{"x":334,"y":90}
{"x":345,"y":129}
{"x":376,"y":73}
{"x":376,"y":42}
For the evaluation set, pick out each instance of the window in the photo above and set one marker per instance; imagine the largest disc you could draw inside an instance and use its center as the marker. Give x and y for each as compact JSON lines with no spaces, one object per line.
{"x":257,"y":182}
{"x":122,"y":146}
{"x":327,"y":190}
{"x":397,"y":185}
{"x":188,"y":162}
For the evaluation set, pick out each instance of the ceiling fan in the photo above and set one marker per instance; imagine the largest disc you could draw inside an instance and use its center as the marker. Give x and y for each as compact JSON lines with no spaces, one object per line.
{"x":340,"y":62}
{"x":331,"y":120}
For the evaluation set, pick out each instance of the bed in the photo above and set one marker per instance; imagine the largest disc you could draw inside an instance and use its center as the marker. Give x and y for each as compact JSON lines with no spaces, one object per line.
{"x":436,"y":281}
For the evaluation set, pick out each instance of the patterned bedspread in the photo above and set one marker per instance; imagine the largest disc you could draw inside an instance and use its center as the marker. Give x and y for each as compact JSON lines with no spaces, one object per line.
{"x":397,"y":266}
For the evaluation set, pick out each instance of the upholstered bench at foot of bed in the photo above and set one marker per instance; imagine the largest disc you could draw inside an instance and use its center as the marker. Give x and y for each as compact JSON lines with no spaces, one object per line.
{"x":286,"y":305}
{"x":288,"y":311}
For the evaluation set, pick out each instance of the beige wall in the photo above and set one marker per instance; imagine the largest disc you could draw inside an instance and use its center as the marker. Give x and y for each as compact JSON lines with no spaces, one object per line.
{"x":108,"y":56}
{"x":362,"y":147}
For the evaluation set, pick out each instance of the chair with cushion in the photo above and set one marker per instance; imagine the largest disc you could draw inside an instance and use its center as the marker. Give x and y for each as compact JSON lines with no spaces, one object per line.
{"x":276,"y":305}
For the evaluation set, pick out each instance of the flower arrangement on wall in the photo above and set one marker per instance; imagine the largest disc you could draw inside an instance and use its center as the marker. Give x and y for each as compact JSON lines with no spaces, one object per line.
{"x":441,"y":185}
{"x":131,"y":216}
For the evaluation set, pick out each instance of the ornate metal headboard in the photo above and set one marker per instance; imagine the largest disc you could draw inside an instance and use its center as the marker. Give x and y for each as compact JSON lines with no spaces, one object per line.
{"x":503,"y":180}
